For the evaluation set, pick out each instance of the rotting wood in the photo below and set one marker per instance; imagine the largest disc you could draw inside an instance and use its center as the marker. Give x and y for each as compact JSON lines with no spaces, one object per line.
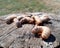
{"x":5,"y":43}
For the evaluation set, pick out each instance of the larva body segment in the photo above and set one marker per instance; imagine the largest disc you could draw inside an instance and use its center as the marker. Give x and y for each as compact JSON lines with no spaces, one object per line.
{"x":27,"y":20}
{"x":46,"y":32}
{"x":20,"y":17}
{"x":37,"y":20}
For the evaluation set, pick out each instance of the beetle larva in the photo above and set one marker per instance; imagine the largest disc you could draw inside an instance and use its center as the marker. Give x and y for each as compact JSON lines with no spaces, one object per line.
{"x":43,"y":31}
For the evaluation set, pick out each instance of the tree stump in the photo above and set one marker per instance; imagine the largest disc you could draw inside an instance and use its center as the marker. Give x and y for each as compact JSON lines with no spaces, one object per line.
{"x":12,"y":37}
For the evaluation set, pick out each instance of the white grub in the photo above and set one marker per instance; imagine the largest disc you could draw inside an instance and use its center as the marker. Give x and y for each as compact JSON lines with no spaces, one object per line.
{"x":41,"y":19}
{"x":42,"y":30}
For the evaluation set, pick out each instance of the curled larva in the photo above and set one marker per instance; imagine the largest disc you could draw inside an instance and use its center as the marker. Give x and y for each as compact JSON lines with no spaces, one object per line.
{"x":9,"y":19}
{"x":43,"y":31}
{"x":37,"y":20}
{"x":45,"y":18}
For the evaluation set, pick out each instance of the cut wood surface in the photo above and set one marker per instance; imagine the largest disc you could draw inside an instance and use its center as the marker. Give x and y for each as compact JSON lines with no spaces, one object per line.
{"x":12,"y":37}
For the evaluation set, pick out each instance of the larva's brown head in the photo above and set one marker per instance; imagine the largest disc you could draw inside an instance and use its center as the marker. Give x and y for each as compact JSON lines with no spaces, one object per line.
{"x":18,"y":24}
{"x":9,"y":21}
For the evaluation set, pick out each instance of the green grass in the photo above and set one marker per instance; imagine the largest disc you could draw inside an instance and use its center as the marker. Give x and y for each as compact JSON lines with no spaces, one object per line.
{"x":16,"y":6}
